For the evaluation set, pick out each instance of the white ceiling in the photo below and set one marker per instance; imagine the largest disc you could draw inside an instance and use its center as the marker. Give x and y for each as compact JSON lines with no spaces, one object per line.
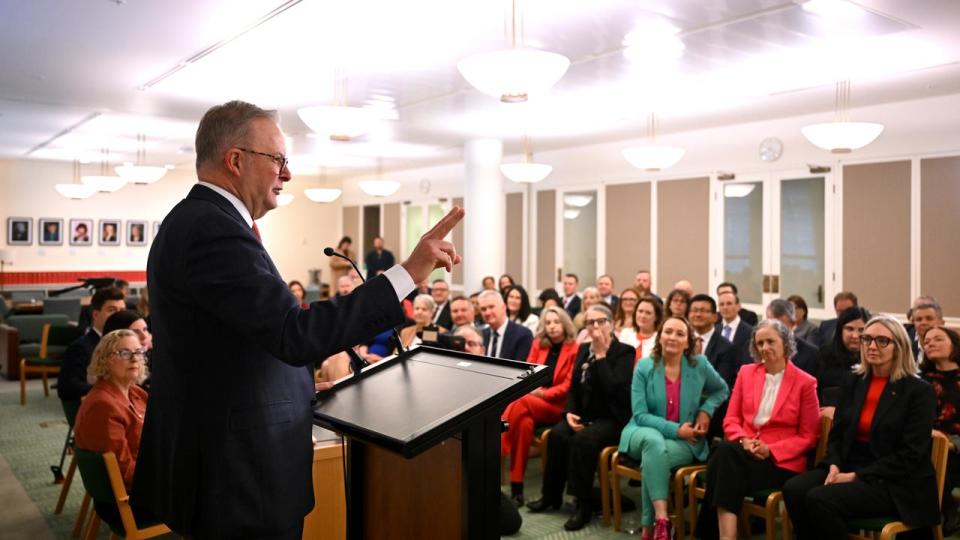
{"x":73,"y":72}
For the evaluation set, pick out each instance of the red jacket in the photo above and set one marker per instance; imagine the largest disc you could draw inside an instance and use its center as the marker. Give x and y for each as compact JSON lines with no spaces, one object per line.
{"x":109,"y":422}
{"x":556,"y":393}
{"x":794,"y":424}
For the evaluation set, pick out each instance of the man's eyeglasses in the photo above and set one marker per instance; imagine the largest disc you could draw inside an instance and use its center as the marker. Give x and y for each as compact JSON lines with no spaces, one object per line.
{"x":128,"y":355}
{"x":881,"y":341}
{"x":595,"y":322}
{"x":280,"y":159}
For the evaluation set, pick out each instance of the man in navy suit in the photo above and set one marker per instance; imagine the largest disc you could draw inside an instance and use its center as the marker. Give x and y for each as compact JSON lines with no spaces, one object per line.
{"x":503,"y":338}
{"x":732,"y":328}
{"x":571,"y":300}
{"x":72,"y":381}
{"x":842,"y":301}
{"x":226,"y":448}
{"x":720,"y":352}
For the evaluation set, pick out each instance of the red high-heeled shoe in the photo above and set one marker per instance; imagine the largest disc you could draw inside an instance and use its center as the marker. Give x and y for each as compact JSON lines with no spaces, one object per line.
{"x":662,"y":529}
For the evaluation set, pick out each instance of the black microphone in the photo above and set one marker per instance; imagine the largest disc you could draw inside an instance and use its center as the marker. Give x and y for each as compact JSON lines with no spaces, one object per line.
{"x":330,"y":252}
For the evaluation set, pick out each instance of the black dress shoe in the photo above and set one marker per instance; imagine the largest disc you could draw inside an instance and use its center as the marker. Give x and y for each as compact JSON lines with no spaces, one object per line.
{"x":517,"y":499}
{"x":579,"y":520}
{"x":542,"y":504}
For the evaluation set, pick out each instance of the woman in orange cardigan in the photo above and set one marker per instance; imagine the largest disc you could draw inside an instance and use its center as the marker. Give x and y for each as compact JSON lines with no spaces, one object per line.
{"x":555,"y":345}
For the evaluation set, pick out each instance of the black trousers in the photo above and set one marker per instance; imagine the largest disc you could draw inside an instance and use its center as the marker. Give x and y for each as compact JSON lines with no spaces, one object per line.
{"x":821,"y":512}
{"x":732,"y":475}
{"x":572,"y":457}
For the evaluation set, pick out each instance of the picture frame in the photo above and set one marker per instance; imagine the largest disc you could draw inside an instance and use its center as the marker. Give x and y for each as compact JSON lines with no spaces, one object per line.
{"x":19,"y":231}
{"x":50,"y":231}
{"x":137,"y":232}
{"x":81,"y":232}
{"x":108,"y":232}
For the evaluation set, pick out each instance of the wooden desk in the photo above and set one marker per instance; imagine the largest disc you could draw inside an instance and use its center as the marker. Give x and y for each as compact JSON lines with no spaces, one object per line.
{"x":328,"y":520}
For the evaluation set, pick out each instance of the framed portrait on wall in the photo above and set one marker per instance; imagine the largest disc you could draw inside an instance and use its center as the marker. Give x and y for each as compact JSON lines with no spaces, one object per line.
{"x":136,"y":232}
{"x":81,"y":232}
{"x":50,"y":231}
{"x":109,"y":232}
{"x":20,"y":231}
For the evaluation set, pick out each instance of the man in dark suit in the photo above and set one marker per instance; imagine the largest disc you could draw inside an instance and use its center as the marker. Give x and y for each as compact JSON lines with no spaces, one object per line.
{"x":571,"y":300}
{"x":924,"y":315}
{"x":605,"y":288}
{"x":732,"y":328}
{"x":807,"y":357}
{"x":441,"y":296}
{"x":225,"y":451}
{"x":745,"y":314}
{"x":72,"y":381}
{"x":378,"y":260}
{"x":720,"y":352}
{"x":841,"y":301}
{"x":503,"y":338}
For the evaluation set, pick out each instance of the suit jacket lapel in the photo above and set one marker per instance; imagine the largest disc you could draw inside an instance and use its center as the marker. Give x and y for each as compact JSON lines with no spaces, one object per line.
{"x":887,"y":398}
{"x":759,"y":378}
{"x":689,"y":396}
{"x":859,"y":396}
{"x":711,"y":345}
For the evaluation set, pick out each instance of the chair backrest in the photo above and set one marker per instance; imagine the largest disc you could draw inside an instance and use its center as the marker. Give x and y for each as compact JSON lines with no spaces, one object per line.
{"x":63,"y":306}
{"x":30,"y":327}
{"x":27,"y":295}
{"x":56,"y":339}
{"x":826,"y":424}
{"x":93,"y":472}
{"x":938,"y":455}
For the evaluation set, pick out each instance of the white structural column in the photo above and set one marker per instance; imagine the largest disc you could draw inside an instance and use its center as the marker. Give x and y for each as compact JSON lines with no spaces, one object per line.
{"x":483,"y":229}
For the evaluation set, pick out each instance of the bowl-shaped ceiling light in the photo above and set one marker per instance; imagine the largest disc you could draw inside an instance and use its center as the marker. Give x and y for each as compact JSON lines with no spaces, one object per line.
{"x":103,"y":184}
{"x":653,"y":157}
{"x":526,"y":173}
{"x":577,"y":200}
{"x":339,"y":122}
{"x":379,"y":188}
{"x":737,"y":191}
{"x":284,"y":199}
{"x":571,"y":213}
{"x":140,"y":174}
{"x":322,"y":195}
{"x":512,"y":75}
{"x":75,"y":191}
{"x":842,"y":137}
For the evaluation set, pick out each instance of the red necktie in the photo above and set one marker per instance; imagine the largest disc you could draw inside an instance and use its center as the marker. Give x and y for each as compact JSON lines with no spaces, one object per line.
{"x":256,"y":232}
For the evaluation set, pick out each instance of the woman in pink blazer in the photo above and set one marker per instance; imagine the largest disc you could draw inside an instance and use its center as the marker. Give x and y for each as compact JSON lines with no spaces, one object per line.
{"x":554,"y":345}
{"x":772,"y":421}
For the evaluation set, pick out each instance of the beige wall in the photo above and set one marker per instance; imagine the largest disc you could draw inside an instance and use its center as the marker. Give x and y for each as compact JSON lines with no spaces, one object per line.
{"x":683,"y":211}
{"x":513,"y":236}
{"x":628,"y":232}
{"x":546,"y":250}
{"x":939,"y":227}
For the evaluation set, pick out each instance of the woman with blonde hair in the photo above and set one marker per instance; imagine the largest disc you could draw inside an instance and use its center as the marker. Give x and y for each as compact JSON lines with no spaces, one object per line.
{"x":878,"y":458}
{"x":589,"y":297}
{"x":554,"y":345}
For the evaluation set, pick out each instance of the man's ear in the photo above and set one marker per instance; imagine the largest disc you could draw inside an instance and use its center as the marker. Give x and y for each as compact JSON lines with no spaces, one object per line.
{"x":231,"y":160}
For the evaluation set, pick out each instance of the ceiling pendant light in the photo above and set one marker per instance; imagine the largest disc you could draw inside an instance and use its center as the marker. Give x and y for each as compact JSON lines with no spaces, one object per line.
{"x":322,"y":194}
{"x":103,"y":182}
{"x":379,"y":187}
{"x":842,"y":136}
{"x":578,"y":201}
{"x":516,"y":73}
{"x":653,"y":157}
{"x":139,"y":173}
{"x":339,"y":122}
{"x":526,"y":172}
{"x":76,"y":190}
{"x":284,"y":199}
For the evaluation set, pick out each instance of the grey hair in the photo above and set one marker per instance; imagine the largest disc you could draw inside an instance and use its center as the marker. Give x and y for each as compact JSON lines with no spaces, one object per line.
{"x":786,"y":336}
{"x":426,"y":299}
{"x":931,"y":304}
{"x":490,"y":293}
{"x":780,"y":307}
{"x":225,"y":125}
{"x":468,"y":328}
{"x":601,"y":308}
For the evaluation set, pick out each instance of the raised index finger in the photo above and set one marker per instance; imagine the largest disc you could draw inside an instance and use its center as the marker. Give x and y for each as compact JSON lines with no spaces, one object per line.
{"x":446,"y":224}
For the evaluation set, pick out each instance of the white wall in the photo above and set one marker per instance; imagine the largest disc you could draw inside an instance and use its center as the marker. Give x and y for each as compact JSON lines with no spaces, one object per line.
{"x":294,"y":235}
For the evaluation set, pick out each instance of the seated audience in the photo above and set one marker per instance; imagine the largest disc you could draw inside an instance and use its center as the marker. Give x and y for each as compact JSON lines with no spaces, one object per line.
{"x":678,"y":303}
{"x":605,"y":289}
{"x":643,"y":283}
{"x":571,"y":298}
{"x":624,"y":324}
{"x":143,"y":305}
{"x":732,"y":327}
{"x":598,"y":406}
{"x":838,"y":357}
{"x":423,"y":307}
{"x":506,"y":281}
{"x":72,"y":381}
{"x":503,"y":338}
{"x":878,"y":457}
{"x":129,"y":319}
{"x":554,"y":345}
{"x":842,"y":301}
{"x":924,"y":317}
{"x":478,"y":319}
{"x":941,"y":368}
{"x":806,"y":356}
{"x":518,"y":307}
{"x":488,"y":283}
{"x":441,"y":297}
{"x":461,"y":312}
{"x":589,"y":297}
{"x":670,"y":420}
{"x":648,"y":316}
{"x":299,"y":292}
{"x":804,"y":329}
{"x":745,"y":314}
{"x":771,"y":423}
{"x":550,"y":297}
{"x":473,"y":343}
{"x":720,"y":352}
{"x":110,"y":418}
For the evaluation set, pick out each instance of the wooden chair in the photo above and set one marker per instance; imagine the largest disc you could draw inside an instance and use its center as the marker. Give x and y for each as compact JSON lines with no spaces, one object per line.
{"x":614,"y":466}
{"x":886,"y":528}
{"x":53,"y":341}
{"x":102,"y":479}
{"x":766,"y":503}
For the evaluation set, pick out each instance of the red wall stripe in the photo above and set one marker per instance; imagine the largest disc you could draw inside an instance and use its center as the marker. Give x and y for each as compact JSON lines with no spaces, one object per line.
{"x":68,"y":278}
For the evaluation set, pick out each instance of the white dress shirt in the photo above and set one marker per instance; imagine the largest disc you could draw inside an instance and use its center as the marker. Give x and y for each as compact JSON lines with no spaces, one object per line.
{"x":771,"y":385}
{"x":500,"y":333}
{"x":734,"y":324}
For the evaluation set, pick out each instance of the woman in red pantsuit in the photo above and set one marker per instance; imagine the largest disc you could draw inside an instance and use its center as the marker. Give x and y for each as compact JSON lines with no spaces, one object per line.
{"x":554,"y":345}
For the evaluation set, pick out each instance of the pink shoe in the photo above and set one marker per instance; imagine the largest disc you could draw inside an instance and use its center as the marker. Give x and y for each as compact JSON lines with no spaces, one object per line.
{"x":662,"y":529}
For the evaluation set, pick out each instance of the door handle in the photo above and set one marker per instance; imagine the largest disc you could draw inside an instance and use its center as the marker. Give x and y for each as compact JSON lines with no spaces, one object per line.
{"x":775,"y":284}
{"x":820,"y":293}
{"x":766,"y":283}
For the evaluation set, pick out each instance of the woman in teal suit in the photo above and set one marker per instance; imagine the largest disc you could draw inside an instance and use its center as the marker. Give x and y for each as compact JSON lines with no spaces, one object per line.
{"x":670,"y":419}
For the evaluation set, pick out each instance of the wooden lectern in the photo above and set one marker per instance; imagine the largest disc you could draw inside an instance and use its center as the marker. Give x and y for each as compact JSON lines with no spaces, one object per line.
{"x":423,"y":442}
